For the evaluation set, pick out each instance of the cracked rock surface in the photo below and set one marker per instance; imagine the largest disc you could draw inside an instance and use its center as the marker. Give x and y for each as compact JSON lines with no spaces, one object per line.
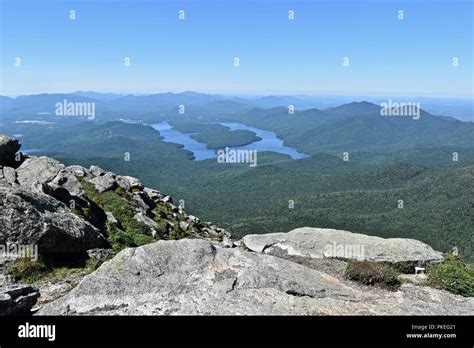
{"x":200,"y":277}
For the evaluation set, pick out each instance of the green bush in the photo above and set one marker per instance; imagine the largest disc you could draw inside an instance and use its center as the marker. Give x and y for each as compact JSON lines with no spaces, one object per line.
{"x":452,"y":275}
{"x":141,"y":239}
{"x":27,"y":270}
{"x":30,"y":271}
{"x":371,"y":273}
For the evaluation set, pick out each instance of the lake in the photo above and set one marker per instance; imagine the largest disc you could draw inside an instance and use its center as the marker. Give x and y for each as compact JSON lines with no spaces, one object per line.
{"x":269,"y":141}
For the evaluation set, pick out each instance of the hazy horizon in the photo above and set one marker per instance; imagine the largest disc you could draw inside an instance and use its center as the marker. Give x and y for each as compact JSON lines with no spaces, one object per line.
{"x":389,"y":53}
{"x":245,"y":95}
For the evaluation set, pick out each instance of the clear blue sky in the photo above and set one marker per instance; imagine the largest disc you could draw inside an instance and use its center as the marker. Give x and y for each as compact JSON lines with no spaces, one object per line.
{"x":304,"y":56}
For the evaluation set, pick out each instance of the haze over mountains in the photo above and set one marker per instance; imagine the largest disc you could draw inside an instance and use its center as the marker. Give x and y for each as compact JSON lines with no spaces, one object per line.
{"x":110,"y":104}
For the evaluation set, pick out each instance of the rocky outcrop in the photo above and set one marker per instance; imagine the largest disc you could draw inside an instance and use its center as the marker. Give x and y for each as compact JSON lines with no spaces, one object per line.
{"x":198,"y":277}
{"x":31,"y":218}
{"x":37,"y":170}
{"x":45,"y":203}
{"x":148,"y":206}
{"x":8,"y":149}
{"x":16,"y":299}
{"x":318,"y":243}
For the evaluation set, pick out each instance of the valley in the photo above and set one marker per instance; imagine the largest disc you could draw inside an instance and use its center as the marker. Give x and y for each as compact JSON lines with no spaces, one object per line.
{"x":300,"y":160}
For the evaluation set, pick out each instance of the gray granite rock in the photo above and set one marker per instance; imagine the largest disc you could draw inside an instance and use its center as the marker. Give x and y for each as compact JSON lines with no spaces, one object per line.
{"x":104,"y":182}
{"x":78,"y":170}
{"x":30,"y":218}
{"x":129,"y":183}
{"x":199,"y":277}
{"x":8,"y":176}
{"x":319,"y":243}
{"x":37,"y":170}
{"x":96,"y":171}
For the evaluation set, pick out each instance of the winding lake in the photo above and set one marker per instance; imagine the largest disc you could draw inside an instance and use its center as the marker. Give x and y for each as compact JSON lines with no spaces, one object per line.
{"x":269,"y":142}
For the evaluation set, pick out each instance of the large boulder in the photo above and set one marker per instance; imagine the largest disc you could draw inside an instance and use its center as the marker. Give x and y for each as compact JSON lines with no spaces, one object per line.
{"x":78,"y":170}
{"x":318,"y":243}
{"x":128,"y":183}
{"x":66,"y":180}
{"x":154,"y":195}
{"x":96,"y":171}
{"x":104,"y":182}
{"x":8,"y":149}
{"x":199,"y":277}
{"x":38,"y":170}
{"x":30,"y":218}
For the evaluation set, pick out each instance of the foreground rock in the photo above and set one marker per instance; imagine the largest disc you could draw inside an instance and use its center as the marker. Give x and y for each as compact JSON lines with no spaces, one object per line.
{"x":198,"y":277}
{"x":17,"y":299}
{"x":29,"y":218}
{"x":318,"y":243}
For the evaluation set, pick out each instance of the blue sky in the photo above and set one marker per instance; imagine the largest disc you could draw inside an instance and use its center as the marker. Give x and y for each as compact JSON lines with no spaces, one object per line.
{"x":387,"y":56}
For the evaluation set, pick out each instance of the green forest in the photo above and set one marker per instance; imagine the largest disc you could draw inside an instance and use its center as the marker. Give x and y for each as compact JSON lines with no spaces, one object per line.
{"x":388,"y":194}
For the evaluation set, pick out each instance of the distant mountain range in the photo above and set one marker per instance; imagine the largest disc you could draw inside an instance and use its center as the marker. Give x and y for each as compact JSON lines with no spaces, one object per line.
{"x":112,"y":106}
{"x":351,"y":127}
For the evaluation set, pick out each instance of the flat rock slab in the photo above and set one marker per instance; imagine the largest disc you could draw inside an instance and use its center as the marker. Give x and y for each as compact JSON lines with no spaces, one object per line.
{"x":199,"y":277}
{"x":317,"y":243}
{"x":195,"y":277}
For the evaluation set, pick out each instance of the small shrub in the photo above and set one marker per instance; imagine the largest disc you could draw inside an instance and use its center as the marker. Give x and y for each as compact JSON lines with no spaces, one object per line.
{"x":141,"y":239}
{"x":371,"y":273}
{"x":452,"y":275}
{"x":27,"y":270}
{"x":92,"y":265}
{"x":119,"y":239}
{"x":177,"y":233}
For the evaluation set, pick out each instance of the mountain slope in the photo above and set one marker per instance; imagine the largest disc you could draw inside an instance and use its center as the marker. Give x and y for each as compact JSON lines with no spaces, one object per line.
{"x":359,"y":127}
{"x":359,"y":195}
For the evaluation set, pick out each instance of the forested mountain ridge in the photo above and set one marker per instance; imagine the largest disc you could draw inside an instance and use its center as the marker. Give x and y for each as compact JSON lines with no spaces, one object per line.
{"x":360,"y":195}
